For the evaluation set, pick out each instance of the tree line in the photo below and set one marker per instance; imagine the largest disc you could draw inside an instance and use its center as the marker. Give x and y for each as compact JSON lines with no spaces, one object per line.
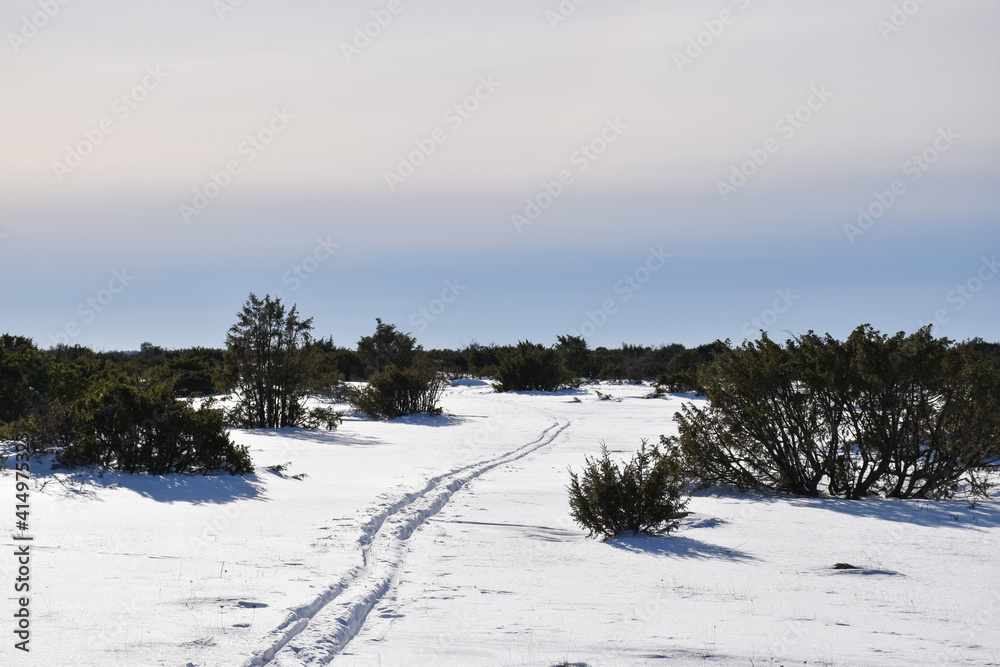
{"x":860,"y":414}
{"x":150,"y":411}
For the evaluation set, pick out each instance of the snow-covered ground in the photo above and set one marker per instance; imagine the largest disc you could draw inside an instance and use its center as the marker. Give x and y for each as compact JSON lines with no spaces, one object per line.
{"x":447,"y":541}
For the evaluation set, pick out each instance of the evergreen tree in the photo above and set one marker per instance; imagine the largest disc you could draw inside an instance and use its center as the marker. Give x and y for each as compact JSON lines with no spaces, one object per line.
{"x":399,"y":384}
{"x":268,"y":364}
{"x":386,"y":347}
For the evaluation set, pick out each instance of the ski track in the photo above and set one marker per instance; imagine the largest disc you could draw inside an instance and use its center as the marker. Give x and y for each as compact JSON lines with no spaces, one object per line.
{"x":316,"y":632}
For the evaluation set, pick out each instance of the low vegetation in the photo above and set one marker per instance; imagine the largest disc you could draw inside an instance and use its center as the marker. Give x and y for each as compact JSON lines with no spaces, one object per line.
{"x":644,"y":495}
{"x":124,"y":426}
{"x":399,"y":383}
{"x":897,"y":416}
{"x":531,"y":367}
{"x":397,"y":392}
{"x":901,"y":416}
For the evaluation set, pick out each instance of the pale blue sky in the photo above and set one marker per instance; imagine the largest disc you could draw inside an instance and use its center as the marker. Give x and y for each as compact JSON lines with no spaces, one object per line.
{"x":666,"y":123}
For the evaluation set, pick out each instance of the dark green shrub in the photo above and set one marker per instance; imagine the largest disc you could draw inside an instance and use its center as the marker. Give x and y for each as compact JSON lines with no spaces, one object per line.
{"x":386,"y":347}
{"x":195,"y":371}
{"x":531,"y":367}
{"x":645,"y":495}
{"x":759,"y":429}
{"x":335,"y":364}
{"x":682,"y":372}
{"x":630,"y":363}
{"x":576,"y":356}
{"x":680,"y":381}
{"x":483,"y":361}
{"x":24,"y":377}
{"x":130,"y":428}
{"x":915,"y":415}
{"x":397,"y":392}
{"x":48,"y":429}
{"x":323,"y":418}
{"x":269,"y":364}
{"x":453,"y":364}
{"x":634,"y":360}
{"x":901,"y":416}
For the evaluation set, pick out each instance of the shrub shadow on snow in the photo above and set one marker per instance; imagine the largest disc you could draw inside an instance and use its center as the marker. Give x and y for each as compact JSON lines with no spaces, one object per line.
{"x":929,"y":513}
{"x":173,"y":488}
{"x":429,"y":420}
{"x":193,"y":489}
{"x":702,"y":522}
{"x":337,"y":437}
{"x":414,"y":420}
{"x":864,"y":572}
{"x":198,"y":489}
{"x":678,"y":547}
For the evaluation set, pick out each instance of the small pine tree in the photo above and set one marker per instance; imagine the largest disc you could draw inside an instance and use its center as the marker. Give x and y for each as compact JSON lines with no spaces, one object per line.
{"x":646,"y":495}
{"x":270,"y":368}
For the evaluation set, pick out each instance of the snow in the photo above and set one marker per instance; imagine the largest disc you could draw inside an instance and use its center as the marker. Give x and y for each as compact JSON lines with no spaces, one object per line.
{"x":447,"y":541}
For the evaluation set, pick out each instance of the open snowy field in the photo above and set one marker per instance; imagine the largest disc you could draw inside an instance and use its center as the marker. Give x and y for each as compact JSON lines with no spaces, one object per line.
{"x":447,"y":541}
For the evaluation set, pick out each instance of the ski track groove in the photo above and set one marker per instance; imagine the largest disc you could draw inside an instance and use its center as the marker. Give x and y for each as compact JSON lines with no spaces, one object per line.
{"x":316,"y":632}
